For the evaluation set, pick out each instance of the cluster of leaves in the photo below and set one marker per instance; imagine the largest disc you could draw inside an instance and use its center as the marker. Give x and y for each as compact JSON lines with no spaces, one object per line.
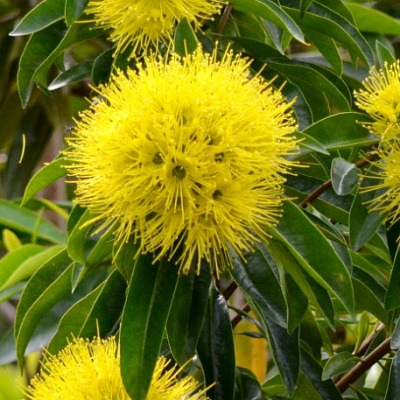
{"x":323,"y":291}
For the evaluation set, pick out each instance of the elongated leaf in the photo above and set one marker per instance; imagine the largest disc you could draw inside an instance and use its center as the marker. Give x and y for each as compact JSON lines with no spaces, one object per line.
{"x":247,"y":386}
{"x":393,"y":389}
{"x":185,"y":39}
{"x":257,"y":280}
{"x":297,"y":303}
{"x":270,"y":11}
{"x":149,"y":299}
{"x":216,"y":349}
{"x":341,"y":130}
{"x":74,"y":9}
{"x":50,"y":284}
{"x":44,"y":177}
{"x":44,"y":14}
{"x":307,"y":244}
{"x":97,"y":313}
{"x":313,"y":371}
{"x":392,"y":298}
{"x":338,"y":364}
{"x":75,"y":74}
{"x":384,"y":54}
{"x":344,"y":176}
{"x":187,"y":313}
{"x":24,"y":220}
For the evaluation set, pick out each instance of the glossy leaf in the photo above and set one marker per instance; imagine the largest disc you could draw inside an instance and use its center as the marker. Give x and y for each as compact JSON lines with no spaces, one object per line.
{"x":339,"y":364}
{"x":75,"y":74}
{"x":247,"y":386}
{"x":392,"y":298}
{"x":44,"y":177}
{"x":148,"y":303}
{"x":74,"y":9}
{"x":344,"y":175}
{"x":393,"y":389}
{"x":23,"y":220}
{"x":270,"y":11}
{"x":43,"y":15}
{"x":50,"y":284}
{"x":384,"y":54}
{"x":307,"y":244}
{"x":187,"y":313}
{"x":257,"y":280}
{"x":185,"y":40}
{"x":215,"y":349}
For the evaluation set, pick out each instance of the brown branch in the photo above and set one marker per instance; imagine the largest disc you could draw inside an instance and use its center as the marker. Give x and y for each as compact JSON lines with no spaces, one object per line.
{"x":326,"y":185}
{"x":228,"y":292}
{"x":224,"y":19}
{"x":364,"y":365}
{"x":366,"y":343}
{"x":238,"y":317}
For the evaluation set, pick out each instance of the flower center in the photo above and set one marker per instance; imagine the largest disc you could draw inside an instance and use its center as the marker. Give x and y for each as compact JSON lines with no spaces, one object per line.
{"x":217,"y":194}
{"x":179,"y":172}
{"x":158,"y":159}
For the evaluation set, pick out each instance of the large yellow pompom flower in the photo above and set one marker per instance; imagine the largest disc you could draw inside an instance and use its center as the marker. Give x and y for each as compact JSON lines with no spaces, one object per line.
{"x":186,"y":153}
{"x":141,"y":22}
{"x":380,"y":98}
{"x":89,"y":370}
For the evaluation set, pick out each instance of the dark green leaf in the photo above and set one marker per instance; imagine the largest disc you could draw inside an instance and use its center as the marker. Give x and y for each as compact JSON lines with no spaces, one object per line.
{"x":50,"y":284}
{"x":313,"y":371}
{"x":187,"y":313}
{"x":384,"y":54}
{"x":44,"y":14}
{"x":149,"y":299}
{"x":393,"y":390}
{"x":102,"y":67}
{"x":338,"y":364}
{"x":272,"y":12}
{"x":44,"y":177}
{"x":344,"y":176}
{"x":247,"y":386}
{"x":307,"y":244}
{"x":216,"y":349}
{"x":297,"y":303}
{"x":75,"y":74}
{"x":392,"y":298}
{"x":257,"y":280}
{"x":74,"y":9}
{"x":185,"y":39}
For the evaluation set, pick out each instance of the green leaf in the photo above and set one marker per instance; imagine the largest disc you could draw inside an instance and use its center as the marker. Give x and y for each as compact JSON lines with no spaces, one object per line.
{"x":271,"y":12}
{"x":257,"y":281}
{"x":97,"y":313}
{"x":325,"y":21}
{"x":393,"y":389}
{"x":344,"y":175}
{"x":74,"y":9}
{"x":75,"y":74}
{"x":24,"y":220}
{"x":40,"y":45}
{"x":247,"y":386}
{"x":44,"y":177}
{"x":102,"y":67}
{"x":187,"y":313}
{"x":297,"y":303}
{"x":185,"y":39}
{"x":341,"y":131}
{"x":310,"y":143}
{"x":216,"y":349}
{"x":18,"y":272}
{"x":50,"y":284}
{"x":369,"y":19}
{"x":363,"y":223}
{"x":392,"y":298}
{"x":148,"y":303}
{"x":313,"y":251}
{"x":10,"y":240}
{"x":313,"y":371}
{"x":384,"y":54}
{"x":43,"y":15}
{"x":339,"y":364}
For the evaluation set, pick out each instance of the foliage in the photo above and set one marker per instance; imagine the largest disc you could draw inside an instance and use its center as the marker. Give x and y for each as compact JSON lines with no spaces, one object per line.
{"x":322,"y":291}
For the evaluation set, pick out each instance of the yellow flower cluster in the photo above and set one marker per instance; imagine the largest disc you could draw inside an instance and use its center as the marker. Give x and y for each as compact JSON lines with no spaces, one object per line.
{"x":187,"y":153}
{"x":139,"y":23}
{"x":380,"y":98}
{"x":89,"y":370}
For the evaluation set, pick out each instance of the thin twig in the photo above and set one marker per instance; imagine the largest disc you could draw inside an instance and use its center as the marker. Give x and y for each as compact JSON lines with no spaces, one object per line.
{"x":326,"y":185}
{"x":363,"y":366}
{"x":228,"y":292}
{"x":224,"y":19}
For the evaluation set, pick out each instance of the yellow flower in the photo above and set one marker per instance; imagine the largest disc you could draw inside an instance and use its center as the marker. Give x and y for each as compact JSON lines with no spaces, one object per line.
{"x":142,"y":22}
{"x":185,"y":154}
{"x":381,"y":100}
{"x":89,"y":370}
{"x":388,"y":173}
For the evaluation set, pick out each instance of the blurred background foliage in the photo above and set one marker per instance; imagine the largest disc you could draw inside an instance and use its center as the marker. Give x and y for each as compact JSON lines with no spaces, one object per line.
{"x":299,"y":332}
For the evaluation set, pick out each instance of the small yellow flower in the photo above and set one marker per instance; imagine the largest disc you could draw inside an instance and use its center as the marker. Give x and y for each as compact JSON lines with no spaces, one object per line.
{"x":388,"y":201}
{"x":89,"y":370}
{"x":142,"y":22}
{"x":187,"y":153}
{"x":381,"y":100}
